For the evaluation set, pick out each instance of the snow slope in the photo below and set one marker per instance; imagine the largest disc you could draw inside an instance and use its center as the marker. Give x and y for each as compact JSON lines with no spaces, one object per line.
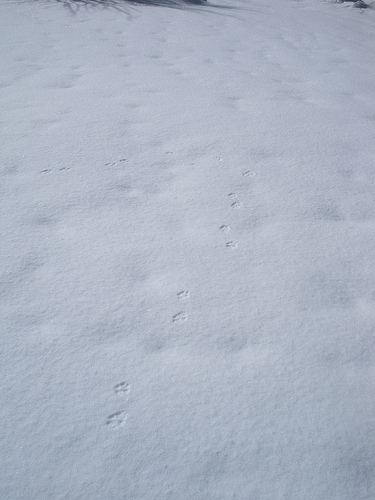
{"x":187,"y":251}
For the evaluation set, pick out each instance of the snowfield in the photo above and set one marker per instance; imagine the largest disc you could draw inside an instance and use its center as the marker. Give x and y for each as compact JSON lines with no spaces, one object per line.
{"x":187,"y":251}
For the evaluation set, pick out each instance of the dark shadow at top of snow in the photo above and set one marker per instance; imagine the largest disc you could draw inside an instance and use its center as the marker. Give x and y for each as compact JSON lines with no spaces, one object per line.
{"x":123,"y":5}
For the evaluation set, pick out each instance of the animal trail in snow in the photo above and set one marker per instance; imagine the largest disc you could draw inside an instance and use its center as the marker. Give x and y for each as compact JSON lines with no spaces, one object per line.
{"x":123,"y":388}
{"x":116,"y":420}
{"x":183,"y":295}
{"x":224,"y":228}
{"x":180,"y":317}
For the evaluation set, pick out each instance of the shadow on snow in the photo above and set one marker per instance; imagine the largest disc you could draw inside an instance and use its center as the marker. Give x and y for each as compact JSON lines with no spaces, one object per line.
{"x":75,"y":5}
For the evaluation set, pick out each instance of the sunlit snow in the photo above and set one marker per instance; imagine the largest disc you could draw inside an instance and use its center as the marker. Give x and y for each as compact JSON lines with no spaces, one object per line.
{"x":187,"y":250}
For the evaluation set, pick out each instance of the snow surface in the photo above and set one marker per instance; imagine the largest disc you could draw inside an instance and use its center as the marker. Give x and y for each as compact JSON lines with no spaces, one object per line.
{"x":187,"y":251}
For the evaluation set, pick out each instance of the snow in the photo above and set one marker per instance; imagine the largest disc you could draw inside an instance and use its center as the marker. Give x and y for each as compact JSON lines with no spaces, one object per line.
{"x":187,"y":251}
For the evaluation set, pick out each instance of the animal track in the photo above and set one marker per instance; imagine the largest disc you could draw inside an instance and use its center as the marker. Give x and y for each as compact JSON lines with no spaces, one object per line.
{"x":224,"y":228}
{"x":183,"y":295}
{"x":248,"y":173}
{"x":49,"y":170}
{"x":232,"y":195}
{"x":113,"y":163}
{"x":122,"y":388}
{"x":116,"y":420}
{"x":236,"y":204}
{"x":180,"y":317}
{"x":231,"y":244}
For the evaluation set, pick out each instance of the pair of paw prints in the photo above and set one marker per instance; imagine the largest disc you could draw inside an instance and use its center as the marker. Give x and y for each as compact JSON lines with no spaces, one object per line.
{"x":248,"y":173}
{"x":231,"y":244}
{"x":115,"y":163}
{"x":225,"y":229}
{"x":49,"y":170}
{"x":118,"y":419}
{"x":181,"y":316}
{"x":235,"y":204}
{"x":122,"y":389}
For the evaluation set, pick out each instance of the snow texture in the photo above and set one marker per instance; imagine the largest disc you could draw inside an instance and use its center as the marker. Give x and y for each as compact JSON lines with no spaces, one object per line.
{"x":187,"y":250}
